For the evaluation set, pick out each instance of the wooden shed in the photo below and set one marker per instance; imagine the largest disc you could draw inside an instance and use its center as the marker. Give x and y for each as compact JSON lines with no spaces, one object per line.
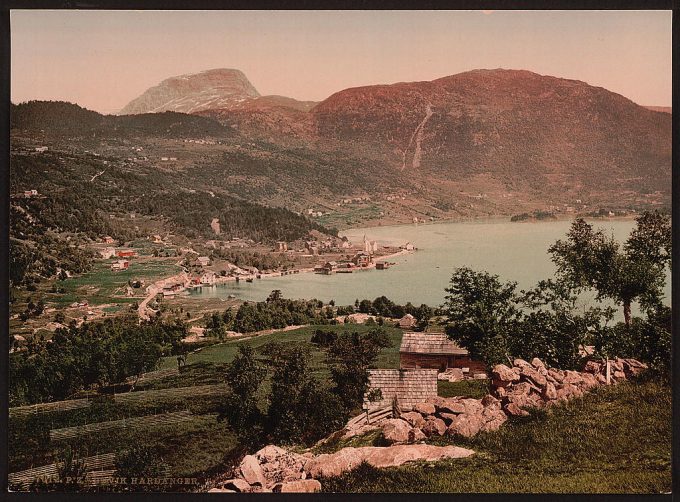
{"x":434,"y":350}
{"x":408,"y":386}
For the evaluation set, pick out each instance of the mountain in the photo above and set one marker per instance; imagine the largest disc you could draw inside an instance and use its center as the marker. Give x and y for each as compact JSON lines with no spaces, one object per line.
{"x":516,"y":127}
{"x":59,"y":118}
{"x":480,"y":143}
{"x":208,"y":89}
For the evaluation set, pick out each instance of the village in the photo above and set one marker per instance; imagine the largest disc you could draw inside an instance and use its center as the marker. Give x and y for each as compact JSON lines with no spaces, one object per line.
{"x":325,"y":256}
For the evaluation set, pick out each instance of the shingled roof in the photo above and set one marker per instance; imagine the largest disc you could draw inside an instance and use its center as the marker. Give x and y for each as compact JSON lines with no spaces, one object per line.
{"x":409,"y":386}
{"x":430,"y":343}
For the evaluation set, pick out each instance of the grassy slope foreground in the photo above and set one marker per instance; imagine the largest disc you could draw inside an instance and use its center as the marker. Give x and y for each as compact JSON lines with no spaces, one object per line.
{"x":614,"y":440}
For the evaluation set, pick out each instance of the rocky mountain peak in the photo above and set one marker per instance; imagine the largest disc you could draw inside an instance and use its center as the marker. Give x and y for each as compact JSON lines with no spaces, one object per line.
{"x":217,"y":88}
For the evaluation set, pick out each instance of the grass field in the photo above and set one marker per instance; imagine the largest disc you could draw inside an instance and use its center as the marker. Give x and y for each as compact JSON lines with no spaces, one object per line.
{"x":225,"y":352}
{"x":614,"y":440}
{"x":101,"y":284}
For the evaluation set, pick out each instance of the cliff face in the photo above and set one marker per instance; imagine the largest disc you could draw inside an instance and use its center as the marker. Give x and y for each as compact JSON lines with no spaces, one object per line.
{"x":194,"y":92}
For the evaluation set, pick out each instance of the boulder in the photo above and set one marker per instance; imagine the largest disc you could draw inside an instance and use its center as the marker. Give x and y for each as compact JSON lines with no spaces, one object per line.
{"x":617,"y":364}
{"x":521,"y":363}
{"x":472,"y":406}
{"x":531,"y":374}
{"x":434,"y":426}
{"x":413,"y":418}
{"x":573,"y":377}
{"x":447,"y":417}
{"x":549,"y":392}
{"x":513,"y":409}
{"x":425,"y":408}
{"x":237,"y":485}
{"x":415,"y":435}
{"x":589,"y":380}
{"x":450,"y":405}
{"x":556,"y":375}
{"x":301,"y":486}
{"x":489,"y":400}
{"x":334,"y":464}
{"x":538,"y":364}
{"x":518,"y":394}
{"x":466,"y":425}
{"x":395,"y":430}
{"x":251,"y":471}
{"x":270,"y":453}
{"x":279,"y":465}
{"x":394,"y":456}
{"x":493,"y":418}
{"x":592,"y":367}
{"x":534,"y":401}
{"x":503,"y":376}
{"x":568,"y":391}
{"x":619,"y":375}
{"x":632,"y":367}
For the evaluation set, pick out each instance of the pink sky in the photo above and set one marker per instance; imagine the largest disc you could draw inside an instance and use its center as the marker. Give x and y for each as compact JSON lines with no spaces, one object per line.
{"x":103,"y":59}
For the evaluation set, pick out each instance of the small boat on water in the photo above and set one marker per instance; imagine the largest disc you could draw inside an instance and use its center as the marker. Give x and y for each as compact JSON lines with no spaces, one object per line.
{"x":249,"y":279}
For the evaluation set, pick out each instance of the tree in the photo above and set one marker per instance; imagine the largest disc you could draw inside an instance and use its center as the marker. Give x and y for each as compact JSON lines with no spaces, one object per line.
{"x":553,"y":328}
{"x":481,"y":313}
{"x":349,"y":357}
{"x":589,"y":259}
{"x":274,"y":296}
{"x":300,"y":409}
{"x":244,"y":375}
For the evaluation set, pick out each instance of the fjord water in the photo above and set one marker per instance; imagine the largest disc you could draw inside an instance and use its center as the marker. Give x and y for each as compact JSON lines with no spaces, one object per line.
{"x":514,"y":251}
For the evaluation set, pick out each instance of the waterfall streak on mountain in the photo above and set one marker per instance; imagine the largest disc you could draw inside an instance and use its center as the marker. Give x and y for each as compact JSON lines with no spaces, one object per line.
{"x":418,"y":136}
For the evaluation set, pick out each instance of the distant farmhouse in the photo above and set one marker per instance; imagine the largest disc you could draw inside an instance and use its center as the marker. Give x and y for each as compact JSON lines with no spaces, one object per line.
{"x":107,"y":253}
{"x":407,"y":322}
{"x":202,"y":261}
{"x":435,"y":350}
{"x":120,"y":265}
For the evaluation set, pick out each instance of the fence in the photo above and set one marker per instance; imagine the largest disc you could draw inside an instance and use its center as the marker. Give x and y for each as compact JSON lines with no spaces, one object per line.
{"x":172,"y":393}
{"x":370,"y":417}
{"x":134,"y":422}
{"x":153,"y":375}
{"x":71,"y":404}
{"x":128,"y":397}
{"x":51,"y":471}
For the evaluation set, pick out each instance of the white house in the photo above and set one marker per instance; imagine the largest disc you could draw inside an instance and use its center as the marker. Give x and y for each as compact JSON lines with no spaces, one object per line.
{"x":208,"y":278}
{"x":107,"y":253}
{"x":120,"y":265}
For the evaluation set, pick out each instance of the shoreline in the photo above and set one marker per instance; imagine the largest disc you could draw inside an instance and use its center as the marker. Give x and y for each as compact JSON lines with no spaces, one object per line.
{"x":489,"y":219}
